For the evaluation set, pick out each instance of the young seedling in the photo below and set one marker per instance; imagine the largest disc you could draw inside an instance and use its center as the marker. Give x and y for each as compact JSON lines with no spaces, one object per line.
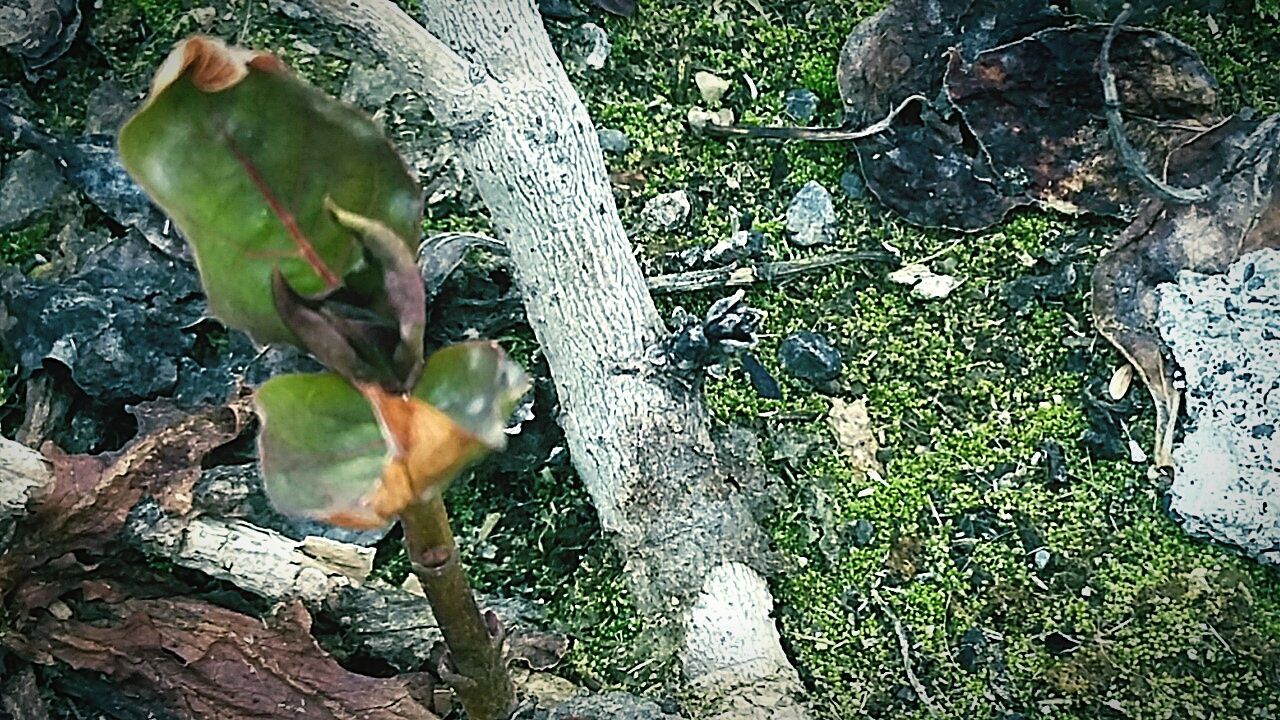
{"x":304,"y":224}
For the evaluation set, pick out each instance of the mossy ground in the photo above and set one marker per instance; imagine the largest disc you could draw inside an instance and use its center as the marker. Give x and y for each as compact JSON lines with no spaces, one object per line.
{"x":964,"y":392}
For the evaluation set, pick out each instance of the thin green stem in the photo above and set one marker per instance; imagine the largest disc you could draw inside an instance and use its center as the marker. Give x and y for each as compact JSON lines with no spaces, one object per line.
{"x":476,"y":666}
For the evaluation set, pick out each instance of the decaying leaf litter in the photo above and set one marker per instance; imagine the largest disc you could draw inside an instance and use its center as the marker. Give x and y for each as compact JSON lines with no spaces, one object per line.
{"x":906,"y":547}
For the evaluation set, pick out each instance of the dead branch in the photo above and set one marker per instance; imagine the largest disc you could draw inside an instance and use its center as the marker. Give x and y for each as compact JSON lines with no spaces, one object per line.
{"x":813,"y":134}
{"x":451,"y":80}
{"x":714,"y":278}
{"x":1129,"y":155}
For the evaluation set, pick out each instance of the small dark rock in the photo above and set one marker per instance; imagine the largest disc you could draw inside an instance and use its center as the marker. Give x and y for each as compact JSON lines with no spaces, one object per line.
{"x":852,"y":184}
{"x":979,"y":523}
{"x":811,"y":217}
{"x":761,"y":380}
{"x":31,"y":184}
{"x":1054,"y":285}
{"x":800,"y":103}
{"x":613,"y":141}
{"x":863,"y":533}
{"x":1055,"y":464}
{"x":810,"y":357}
{"x":109,"y":105}
{"x":980,"y":578}
{"x":973,"y":644}
{"x":1059,"y":644}
{"x":560,"y":10}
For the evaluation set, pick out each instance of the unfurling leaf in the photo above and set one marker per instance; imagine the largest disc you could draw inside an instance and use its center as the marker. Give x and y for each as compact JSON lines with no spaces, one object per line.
{"x":245,"y":157}
{"x":357,"y":457}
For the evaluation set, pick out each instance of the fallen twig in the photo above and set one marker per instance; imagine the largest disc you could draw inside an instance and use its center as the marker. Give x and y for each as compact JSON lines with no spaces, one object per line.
{"x":712,"y":278}
{"x":904,"y":647}
{"x":1129,"y":155}
{"x":812,"y":134}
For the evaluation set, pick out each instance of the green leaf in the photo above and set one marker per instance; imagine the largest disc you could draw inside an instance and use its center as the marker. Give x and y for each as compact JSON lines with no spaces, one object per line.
{"x":321,"y":449}
{"x":357,"y":456}
{"x":242,"y":155}
{"x":476,"y":385}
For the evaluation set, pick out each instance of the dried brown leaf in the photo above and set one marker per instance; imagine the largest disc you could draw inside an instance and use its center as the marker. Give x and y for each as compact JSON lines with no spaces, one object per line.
{"x":901,"y":50}
{"x":1017,"y":118}
{"x":1035,"y":106}
{"x":1241,"y":215}
{"x":851,"y":425}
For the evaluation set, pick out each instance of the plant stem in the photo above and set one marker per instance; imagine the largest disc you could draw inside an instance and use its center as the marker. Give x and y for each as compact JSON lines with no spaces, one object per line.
{"x":476,"y":665}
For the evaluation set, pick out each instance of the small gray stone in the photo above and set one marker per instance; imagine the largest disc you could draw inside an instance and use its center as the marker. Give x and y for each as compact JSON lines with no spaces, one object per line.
{"x":291,"y":10}
{"x":370,"y":86}
{"x":810,"y":357}
{"x":589,"y":46}
{"x":852,"y":184}
{"x":31,"y":183}
{"x":742,"y":246}
{"x":1041,"y":558}
{"x":863,"y":533}
{"x":666,"y":212}
{"x":613,"y":141}
{"x":811,"y":217}
{"x":109,"y":105}
{"x":800,"y":103}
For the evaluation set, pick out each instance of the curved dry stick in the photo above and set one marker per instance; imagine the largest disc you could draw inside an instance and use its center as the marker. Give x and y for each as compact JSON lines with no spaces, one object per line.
{"x":1129,"y":155}
{"x":813,"y":134}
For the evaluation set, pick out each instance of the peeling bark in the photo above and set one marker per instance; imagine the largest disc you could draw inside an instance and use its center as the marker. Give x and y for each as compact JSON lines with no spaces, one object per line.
{"x":214,"y":663}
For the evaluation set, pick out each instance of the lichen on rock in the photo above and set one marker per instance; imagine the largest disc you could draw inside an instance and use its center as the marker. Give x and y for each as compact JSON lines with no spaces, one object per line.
{"x":1224,"y":331}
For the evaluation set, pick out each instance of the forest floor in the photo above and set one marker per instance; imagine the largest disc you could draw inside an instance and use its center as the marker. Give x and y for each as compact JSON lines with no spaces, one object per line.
{"x":971,"y":396}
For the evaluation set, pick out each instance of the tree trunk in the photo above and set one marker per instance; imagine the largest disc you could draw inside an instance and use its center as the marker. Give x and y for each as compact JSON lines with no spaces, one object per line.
{"x":640,"y":441}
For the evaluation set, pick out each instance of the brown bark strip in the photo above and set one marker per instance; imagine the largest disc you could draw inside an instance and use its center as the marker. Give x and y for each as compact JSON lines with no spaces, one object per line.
{"x":208,"y":662}
{"x":92,"y":494}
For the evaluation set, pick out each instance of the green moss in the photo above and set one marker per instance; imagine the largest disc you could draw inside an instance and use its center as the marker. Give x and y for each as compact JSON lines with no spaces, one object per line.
{"x":20,"y":246}
{"x":1240,"y":45}
{"x":960,"y":388}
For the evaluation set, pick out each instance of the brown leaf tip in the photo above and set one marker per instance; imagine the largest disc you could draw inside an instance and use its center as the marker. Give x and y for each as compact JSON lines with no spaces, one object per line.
{"x":211,"y":64}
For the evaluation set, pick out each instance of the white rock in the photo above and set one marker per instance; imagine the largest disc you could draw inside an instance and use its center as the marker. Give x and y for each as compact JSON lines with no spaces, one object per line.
{"x":712,"y":87}
{"x":1224,"y":331}
{"x":699,"y":118}
{"x":591,"y":46}
{"x":924,"y":282}
{"x":666,"y":212}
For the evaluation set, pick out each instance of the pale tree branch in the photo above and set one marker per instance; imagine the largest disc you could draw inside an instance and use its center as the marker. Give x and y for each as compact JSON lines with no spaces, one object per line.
{"x":451,"y":83}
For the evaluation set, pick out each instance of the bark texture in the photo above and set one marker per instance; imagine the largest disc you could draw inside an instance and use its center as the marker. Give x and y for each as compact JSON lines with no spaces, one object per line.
{"x":641,"y":442}
{"x":381,"y":621}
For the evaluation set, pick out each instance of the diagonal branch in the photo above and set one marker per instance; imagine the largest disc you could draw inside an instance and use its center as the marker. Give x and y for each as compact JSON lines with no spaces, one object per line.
{"x":449,"y":79}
